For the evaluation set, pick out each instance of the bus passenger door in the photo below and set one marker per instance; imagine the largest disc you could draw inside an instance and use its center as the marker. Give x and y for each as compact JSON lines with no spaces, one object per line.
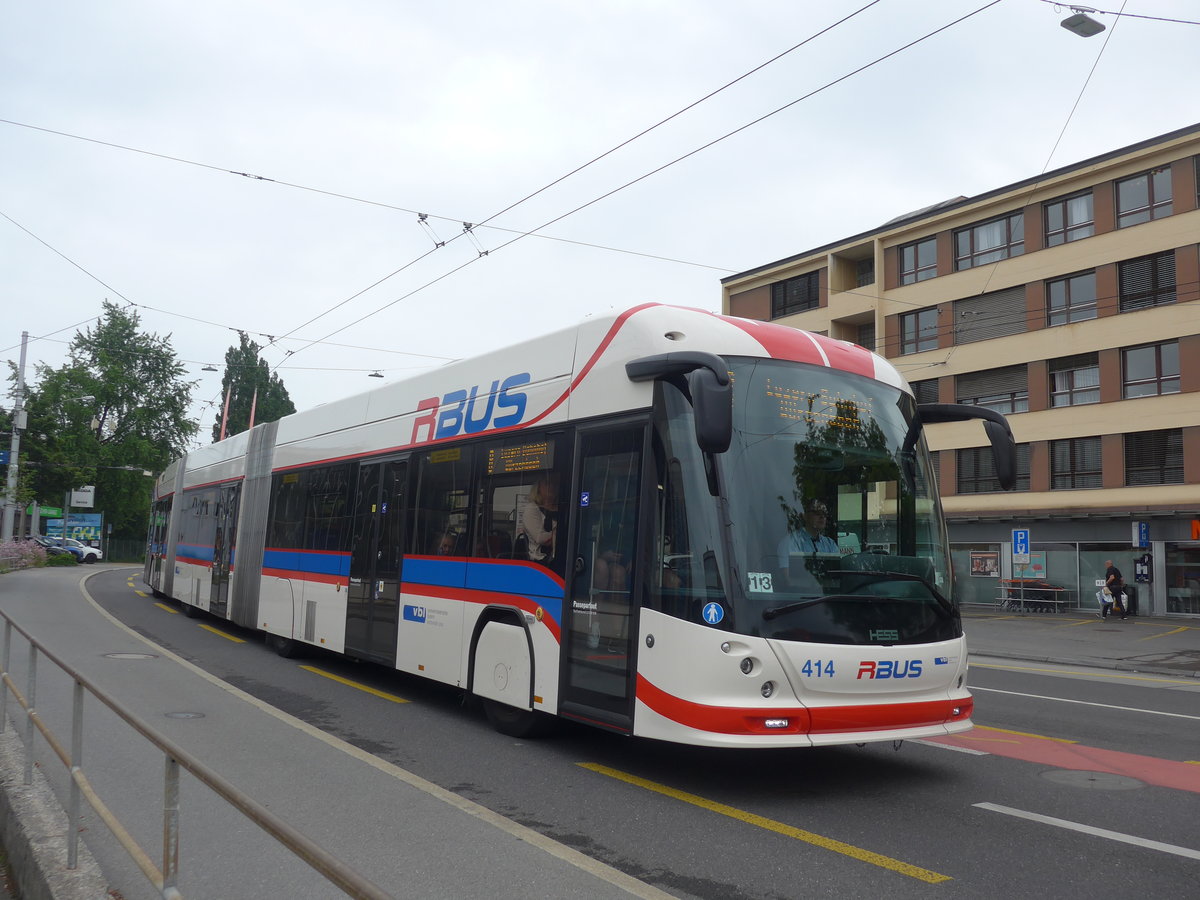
{"x":372,"y":603}
{"x":223,"y":549}
{"x":600,"y":623}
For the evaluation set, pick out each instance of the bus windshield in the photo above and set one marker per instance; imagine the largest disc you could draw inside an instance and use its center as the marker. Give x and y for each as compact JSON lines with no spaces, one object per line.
{"x":834,"y":530}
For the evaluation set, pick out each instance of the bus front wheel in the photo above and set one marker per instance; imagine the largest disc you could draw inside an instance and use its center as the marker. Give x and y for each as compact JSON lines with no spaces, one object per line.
{"x":521,"y":723}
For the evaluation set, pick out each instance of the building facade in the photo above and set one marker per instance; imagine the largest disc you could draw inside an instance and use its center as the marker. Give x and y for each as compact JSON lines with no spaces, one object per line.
{"x":1070,"y":302}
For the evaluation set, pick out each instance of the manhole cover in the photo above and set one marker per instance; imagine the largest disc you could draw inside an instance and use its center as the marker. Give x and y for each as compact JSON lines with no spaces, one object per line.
{"x":1096,"y":781}
{"x":184,"y":715}
{"x":130,"y":656}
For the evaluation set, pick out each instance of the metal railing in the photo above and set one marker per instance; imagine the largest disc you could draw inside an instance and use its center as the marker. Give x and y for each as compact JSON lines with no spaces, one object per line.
{"x":165,"y":879}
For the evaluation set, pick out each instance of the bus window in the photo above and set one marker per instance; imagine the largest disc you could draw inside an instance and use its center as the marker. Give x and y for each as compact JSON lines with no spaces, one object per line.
{"x":520,"y":517}
{"x":442,"y":501}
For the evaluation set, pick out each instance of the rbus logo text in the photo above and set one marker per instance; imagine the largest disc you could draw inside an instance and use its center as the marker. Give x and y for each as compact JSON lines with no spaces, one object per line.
{"x":465,"y":412}
{"x":888,"y":668}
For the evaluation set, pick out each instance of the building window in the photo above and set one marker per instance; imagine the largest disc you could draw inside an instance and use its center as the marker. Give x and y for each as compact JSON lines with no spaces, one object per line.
{"x":919,"y":331}
{"x":1069,"y":219}
{"x":795,"y":294}
{"x":989,"y":242}
{"x":976,"y":470}
{"x":918,"y":261}
{"x":1075,"y":380}
{"x":987,"y":316}
{"x":1005,"y":390}
{"x":1151,"y":370}
{"x":926,"y":391}
{"x":864,"y":272}
{"x":1071,"y":299}
{"x":865,"y":336}
{"x":1148,"y":281}
{"x":1144,"y":197}
{"x":1075,"y":464}
{"x":1154,"y":457}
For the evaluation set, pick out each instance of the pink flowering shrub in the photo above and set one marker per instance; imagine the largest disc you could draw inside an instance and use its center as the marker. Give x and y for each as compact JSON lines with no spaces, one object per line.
{"x":21,"y":555}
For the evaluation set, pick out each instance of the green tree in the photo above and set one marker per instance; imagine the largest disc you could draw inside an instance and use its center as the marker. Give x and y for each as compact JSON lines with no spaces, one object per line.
{"x":117,"y":409}
{"x":247,"y":375}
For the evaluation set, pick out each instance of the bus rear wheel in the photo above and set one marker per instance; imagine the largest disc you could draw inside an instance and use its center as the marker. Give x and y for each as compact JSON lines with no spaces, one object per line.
{"x":285,"y":647}
{"x":521,"y":723}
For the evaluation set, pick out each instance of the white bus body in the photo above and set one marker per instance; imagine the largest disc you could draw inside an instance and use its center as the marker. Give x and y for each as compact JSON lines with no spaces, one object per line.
{"x":407,"y":525}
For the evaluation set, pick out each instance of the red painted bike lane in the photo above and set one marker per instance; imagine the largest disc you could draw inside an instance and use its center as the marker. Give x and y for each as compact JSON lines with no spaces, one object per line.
{"x":1062,"y":754}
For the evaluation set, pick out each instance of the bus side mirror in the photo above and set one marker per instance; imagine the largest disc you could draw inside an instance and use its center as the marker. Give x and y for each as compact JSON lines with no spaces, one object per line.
{"x":712,"y":405}
{"x":1000,"y":436}
{"x":709,"y":385}
{"x":1004,"y":452}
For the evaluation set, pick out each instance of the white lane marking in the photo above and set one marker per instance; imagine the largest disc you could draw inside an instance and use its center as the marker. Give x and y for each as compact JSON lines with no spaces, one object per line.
{"x":1088,"y":829}
{"x":1149,"y":712}
{"x":952,"y":747}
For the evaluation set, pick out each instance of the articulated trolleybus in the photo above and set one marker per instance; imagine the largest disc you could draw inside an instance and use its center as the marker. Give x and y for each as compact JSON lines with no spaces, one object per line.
{"x":663,"y":522}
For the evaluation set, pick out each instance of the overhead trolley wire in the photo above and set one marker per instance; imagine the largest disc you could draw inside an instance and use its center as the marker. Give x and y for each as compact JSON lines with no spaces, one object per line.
{"x":423,"y":217}
{"x":667,"y":165}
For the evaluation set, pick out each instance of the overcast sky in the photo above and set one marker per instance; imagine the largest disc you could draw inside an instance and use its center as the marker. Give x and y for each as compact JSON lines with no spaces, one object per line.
{"x":365,"y":113}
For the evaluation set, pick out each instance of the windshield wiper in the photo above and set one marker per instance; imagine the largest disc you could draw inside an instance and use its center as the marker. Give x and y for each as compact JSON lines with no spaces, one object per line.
{"x":945,"y":604}
{"x":772,"y":612}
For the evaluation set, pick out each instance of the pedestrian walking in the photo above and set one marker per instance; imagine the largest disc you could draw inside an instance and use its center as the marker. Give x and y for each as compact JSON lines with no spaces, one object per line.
{"x":1115,"y":585}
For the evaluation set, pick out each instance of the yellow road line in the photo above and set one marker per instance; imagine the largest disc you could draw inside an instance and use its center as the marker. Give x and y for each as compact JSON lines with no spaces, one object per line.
{"x":354,"y":684}
{"x":219,"y":633}
{"x":1040,"y":737}
{"x":1155,"y":637}
{"x":799,"y":834}
{"x":141,"y":593}
{"x":166,"y":608}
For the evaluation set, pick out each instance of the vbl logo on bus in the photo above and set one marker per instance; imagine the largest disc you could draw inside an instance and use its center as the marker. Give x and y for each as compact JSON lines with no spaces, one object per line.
{"x":464,"y":411}
{"x":889,"y":668}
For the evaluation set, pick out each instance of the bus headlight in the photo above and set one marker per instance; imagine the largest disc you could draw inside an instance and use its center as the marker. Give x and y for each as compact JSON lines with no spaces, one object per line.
{"x":768,"y":688}
{"x":747,"y":665}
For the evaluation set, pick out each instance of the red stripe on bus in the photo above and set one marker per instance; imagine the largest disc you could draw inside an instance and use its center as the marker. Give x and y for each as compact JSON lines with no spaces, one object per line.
{"x":800,"y":346}
{"x":296,"y":575}
{"x":801,"y":720}
{"x":485,"y":598}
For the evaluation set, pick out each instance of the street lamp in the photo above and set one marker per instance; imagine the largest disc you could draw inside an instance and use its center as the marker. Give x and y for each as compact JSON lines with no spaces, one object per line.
{"x":1081,"y":23}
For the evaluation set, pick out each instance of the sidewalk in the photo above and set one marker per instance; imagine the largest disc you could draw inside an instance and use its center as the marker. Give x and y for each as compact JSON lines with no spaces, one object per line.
{"x":407,"y":835}
{"x":1162,"y":645}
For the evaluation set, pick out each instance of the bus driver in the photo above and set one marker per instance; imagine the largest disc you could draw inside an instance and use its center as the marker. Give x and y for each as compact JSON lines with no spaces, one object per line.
{"x":809,"y":539}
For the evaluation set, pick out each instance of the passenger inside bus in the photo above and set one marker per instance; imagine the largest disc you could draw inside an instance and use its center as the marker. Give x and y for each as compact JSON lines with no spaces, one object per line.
{"x":539,"y":521}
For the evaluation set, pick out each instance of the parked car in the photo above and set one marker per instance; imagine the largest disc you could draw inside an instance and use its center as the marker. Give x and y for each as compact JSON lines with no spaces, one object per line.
{"x":90,"y":554}
{"x":54,"y":545}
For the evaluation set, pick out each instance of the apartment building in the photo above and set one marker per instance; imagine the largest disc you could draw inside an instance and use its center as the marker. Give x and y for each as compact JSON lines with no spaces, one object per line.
{"x":1070,"y":302}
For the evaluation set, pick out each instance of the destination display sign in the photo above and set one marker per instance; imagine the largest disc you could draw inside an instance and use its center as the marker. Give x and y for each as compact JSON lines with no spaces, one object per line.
{"x":520,"y":458}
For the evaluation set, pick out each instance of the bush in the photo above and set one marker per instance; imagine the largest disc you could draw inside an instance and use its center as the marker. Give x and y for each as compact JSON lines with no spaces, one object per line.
{"x":21,"y":555}
{"x":61,"y":559}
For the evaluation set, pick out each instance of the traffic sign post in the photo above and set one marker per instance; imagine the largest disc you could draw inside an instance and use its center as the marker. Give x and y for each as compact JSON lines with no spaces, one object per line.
{"x":1021,"y":543}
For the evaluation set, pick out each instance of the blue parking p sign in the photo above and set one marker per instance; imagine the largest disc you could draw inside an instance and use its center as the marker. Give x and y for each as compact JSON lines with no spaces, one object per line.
{"x":1020,"y":541}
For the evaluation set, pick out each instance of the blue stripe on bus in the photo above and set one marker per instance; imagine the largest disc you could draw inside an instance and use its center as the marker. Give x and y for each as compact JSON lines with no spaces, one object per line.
{"x":198,"y":552}
{"x":307,"y":562}
{"x":529,"y":580}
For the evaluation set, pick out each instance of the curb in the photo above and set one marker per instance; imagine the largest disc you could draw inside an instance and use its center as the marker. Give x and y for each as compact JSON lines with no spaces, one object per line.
{"x":34,"y":828}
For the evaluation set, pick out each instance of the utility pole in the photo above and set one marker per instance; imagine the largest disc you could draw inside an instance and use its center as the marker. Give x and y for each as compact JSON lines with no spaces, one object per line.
{"x":18,"y":425}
